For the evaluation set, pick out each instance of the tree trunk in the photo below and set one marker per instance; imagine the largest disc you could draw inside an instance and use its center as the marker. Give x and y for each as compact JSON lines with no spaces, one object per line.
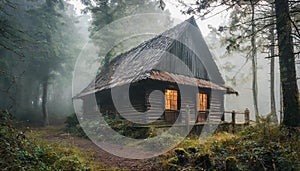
{"x":272,"y":70}
{"x":281,"y":105}
{"x":44,"y":101}
{"x":36,"y":97}
{"x":287,"y":65}
{"x":254,"y":62}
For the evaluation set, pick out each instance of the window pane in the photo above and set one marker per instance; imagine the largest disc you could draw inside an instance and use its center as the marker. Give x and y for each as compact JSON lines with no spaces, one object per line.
{"x":171,"y":99}
{"x":202,"y":101}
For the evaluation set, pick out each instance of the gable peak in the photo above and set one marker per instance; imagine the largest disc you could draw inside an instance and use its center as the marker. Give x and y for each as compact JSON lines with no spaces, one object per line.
{"x":192,"y":21}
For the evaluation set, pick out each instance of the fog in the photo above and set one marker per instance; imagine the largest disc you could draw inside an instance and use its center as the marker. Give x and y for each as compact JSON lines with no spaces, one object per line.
{"x":237,"y":62}
{"x":28,"y":56}
{"x":240,"y":69}
{"x":24,"y":69}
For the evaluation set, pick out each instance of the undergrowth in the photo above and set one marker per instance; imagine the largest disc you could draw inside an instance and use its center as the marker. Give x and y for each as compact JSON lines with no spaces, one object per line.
{"x":19,"y":152}
{"x":72,"y":126}
{"x":264,"y":146}
{"x":96,"y":128}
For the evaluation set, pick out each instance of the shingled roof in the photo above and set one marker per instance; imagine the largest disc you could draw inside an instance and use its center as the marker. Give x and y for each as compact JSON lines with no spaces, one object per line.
{"x":140,"y":63}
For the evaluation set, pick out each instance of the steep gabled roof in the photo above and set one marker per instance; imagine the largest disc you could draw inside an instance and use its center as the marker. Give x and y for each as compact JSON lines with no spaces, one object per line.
{"x":136,"y":64}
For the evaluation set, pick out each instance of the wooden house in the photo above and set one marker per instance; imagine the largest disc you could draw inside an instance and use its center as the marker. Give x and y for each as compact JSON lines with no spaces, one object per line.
{"x":151,"y":66}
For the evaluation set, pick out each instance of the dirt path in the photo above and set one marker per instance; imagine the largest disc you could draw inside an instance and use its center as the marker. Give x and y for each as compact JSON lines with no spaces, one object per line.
{"x":99,"y":155}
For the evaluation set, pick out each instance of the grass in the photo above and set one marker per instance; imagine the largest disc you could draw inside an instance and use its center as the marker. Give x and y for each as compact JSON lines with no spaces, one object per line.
{"x":38,"y":135}
{"x":261,"y":146}
{"x":30,"y":151}
{"x":264,"y":146}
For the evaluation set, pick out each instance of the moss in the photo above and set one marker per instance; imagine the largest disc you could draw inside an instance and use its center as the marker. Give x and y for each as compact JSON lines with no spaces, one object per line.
{"x":181,"y":151}
{"x":231,"y":164}
{"x":21,"y":152}
{"x":192,"y":150}
{"x":123,"y":127}
{"x":203,"y":161}
{"x":182,"y":155}
{"x":171,"y":164}
{"x":173,"y":160}
{"x":263,"y":146}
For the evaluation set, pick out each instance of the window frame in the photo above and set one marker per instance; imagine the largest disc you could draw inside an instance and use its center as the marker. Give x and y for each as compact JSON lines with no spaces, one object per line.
{"x":172,"y":101}
{"x":200,"y":105}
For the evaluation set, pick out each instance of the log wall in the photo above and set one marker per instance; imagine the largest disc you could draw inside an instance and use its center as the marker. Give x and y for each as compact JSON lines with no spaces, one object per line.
{"x":150,"y":107}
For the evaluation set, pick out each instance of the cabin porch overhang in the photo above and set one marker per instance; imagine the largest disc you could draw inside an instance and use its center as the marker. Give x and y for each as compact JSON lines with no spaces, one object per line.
{"x":139,"y":97}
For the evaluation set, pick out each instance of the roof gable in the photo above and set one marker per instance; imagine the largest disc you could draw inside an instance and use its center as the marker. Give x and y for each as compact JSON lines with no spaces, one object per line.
{"x":157,"y":54}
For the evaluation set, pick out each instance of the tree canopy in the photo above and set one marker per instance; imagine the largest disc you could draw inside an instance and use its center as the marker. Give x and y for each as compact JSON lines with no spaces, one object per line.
{"x":285,"y":11}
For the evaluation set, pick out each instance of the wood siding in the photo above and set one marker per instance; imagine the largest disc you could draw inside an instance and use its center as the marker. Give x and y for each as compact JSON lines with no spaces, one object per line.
{"x":181,"y":60}
{"x":216,"y":110}
{"x":148,"y":102}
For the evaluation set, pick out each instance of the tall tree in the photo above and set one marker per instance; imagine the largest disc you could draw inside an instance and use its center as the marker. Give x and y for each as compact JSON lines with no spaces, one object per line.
{"x":52,"y":53}
{"x":47,"y":57}
{"x":38,"y":46}
{"x":272,"y":65}
{"x":242,"y":29}
{"x":106,"y":11}
{"x":287,"y":64}
{"x":254,"y":59}
{"x":11,"y":40}
{"x":286,"y":53}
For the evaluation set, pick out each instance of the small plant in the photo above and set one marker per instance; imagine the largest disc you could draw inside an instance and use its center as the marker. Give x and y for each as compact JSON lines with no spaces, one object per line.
{"x":264,"y":146}
{"x":190,"y":158}
{"x":18,"y":152}
{"x":123,"y":127}
{"x":164,"y":140}
{"x":73,"y":126}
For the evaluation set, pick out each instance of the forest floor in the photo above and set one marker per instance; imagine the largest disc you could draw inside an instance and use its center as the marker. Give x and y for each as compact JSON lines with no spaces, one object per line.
{"x":110,"y":161}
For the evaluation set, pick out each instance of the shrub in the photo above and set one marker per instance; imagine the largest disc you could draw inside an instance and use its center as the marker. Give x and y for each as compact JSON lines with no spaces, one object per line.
{"x":20,"y":153}
{"x":73,"y":126}
{"x":264,"y":146}
{"x":123,"y":127}
{"x":164,"y":140}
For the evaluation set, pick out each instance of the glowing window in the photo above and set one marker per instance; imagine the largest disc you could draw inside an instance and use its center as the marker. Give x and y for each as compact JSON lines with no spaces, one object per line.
{"x":171,"y":100}
{"x":202,"y":102}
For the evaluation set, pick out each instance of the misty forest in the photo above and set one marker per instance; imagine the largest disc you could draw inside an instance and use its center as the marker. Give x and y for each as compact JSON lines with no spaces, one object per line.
{"x":150,"y":85}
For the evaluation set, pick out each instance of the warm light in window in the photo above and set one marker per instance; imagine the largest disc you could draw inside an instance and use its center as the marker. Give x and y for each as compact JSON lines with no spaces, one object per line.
{"x":171,"y":99}
{"x":202,"y":101}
